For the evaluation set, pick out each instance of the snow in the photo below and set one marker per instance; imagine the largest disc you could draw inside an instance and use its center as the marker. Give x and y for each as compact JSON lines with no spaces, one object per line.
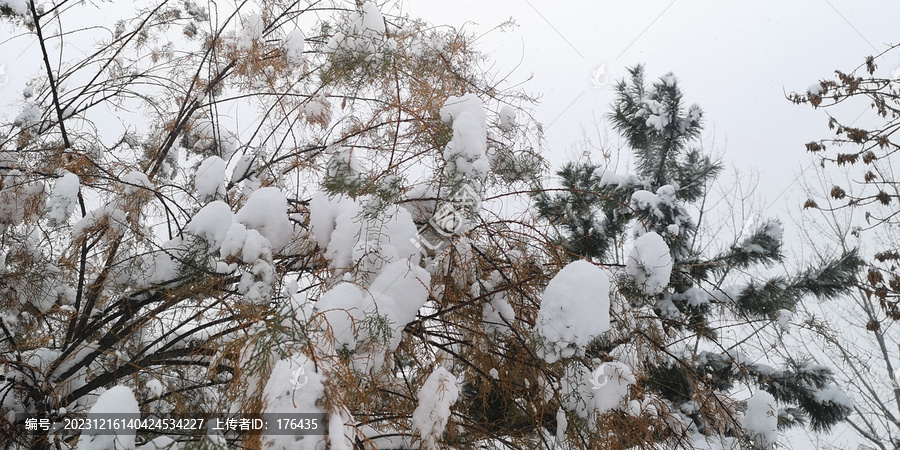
{"x":64,"y":198}
{"x":712,"y":442}
{"x":351,"y":237}
{"x":673,"y":229}
{"x":293,"y":45}
{"x":395,"y":295}
{"x":266,"y":212}
{"x":666,"y":194}
{"x":603,"y":389}
{"x":211,"y":223}
{"x":161,"y":268}
{"x":693,"y":296}
{"x":318,"y":111}
{"x":343,"y":308}
{"x":344,"y":163}
{"x":497,"y":313}
{"x":108,"y":213}
{"x":619,"y":180}
{"x":754,"y":248}
{"x":658,"y":121}
{"x":574,"y":310}
{"x":255,"y":246}
{"x":695,"y":113}
{"x":386,"y":438}
{"x":761,"y":418}
{"x":727,"y":294}
{"x":645,"y":408}
{"x":323,"y":210}
{"x":155,"y":387}
{"x":669,"y":79}
{"x":294,"y":386}
{"x":507,"y":118}
{"x":345,"y":238}
{"x":339,"y":434}
{"x":609,"y":395}
{"x":243,"y":168}
{"x":117,"y":400}
{"x":561,"y":424}
{"x":234,"y":241}
{"x":437,"y":395}
{"x":371,"y":19}
{"x":135,"y":182}
{"x":251,"y":31}
{"x":647,"y":200}
{"x":831,"y":394}
{"x":196,"y":11}
{"x":256,"y":284}
{"x":364,"y":32}
{"x":650,"y":263}
{"x":30,"y":115}
{"x":784,"y":319}
{"x":84,"y":350}
{"x":209,"y":181}
{"x":399,"y":291}
{"x":466,"y":152}
{"x":644,"y":199}
{"x":774,"y":230}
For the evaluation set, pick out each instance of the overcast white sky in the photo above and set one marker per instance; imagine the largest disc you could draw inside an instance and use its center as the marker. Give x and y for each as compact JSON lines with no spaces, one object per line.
{"x":735,"y":59}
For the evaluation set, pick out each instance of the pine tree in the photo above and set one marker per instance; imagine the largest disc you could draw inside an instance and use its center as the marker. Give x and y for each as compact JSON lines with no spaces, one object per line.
{"x":673,"y":322}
